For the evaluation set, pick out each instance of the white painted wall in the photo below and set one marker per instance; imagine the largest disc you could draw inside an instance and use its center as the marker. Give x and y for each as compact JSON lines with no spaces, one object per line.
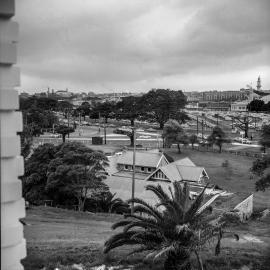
{"x":12,"y":204}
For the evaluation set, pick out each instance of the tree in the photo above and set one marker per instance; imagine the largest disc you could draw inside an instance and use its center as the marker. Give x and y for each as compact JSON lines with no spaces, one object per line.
{"x":160,"y":105}
{"x":173,"y":228}
{"x":75,"y":171}
{"x":84,"y":109}
{"x":64,"y":131}
{"x":26,"y":141}
{"x":43,"y":103}
{"x":243,"y":123}
{"x":105,"y":110}
{"x":265,"y":137}
{"x":37,"y":115}
{"x":182,"y":139}
{"x":173,"y":133}
{"x":255,"y":105}
{"x":217,"y":137}
{"x":193,"y":139}
{"x":182,"y":117}
{"x":35,"y":177}
{"x":266,"y":107}
{"x":129,"y":108}
{"x":65,"y":107}
{"x":260,"y":168}
{"x":106,"y":202}
{"x":65,"y":174}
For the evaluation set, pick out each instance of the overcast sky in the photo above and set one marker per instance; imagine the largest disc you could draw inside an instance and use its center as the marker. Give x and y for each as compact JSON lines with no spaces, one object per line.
{"x":136,"y":45}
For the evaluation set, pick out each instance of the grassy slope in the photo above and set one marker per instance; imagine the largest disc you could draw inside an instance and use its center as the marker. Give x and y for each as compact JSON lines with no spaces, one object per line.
{"x":63,"y":237}
{"x":56,"y":235}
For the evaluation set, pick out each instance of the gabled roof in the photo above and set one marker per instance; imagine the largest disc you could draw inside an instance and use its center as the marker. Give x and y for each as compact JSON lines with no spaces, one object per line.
{"x":145,"y":159}
{"x":181,"y":170}
{"x":184,"y":162}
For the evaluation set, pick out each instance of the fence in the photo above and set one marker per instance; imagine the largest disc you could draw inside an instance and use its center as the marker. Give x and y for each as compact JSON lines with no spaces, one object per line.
{"x":237,"y":153}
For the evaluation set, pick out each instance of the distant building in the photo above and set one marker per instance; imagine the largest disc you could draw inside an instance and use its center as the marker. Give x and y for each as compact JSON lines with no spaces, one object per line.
{"x":63,"y":93}
{"x":217,"y":96}
{"x":193,"y":96}
{"x":229,"y":95}
{"x":266,"y":98}
{"x":24,"y":95}
{"x":259,"y":85}
{"x":239,"y":106}
{"x":192,"y":106}
{"x":77,"y":102}
{"x":215,"y":106}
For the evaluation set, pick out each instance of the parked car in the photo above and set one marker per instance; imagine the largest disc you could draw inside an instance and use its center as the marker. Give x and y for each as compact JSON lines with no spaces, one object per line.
{"x":246,"y":141}
{"x":242,"y":140}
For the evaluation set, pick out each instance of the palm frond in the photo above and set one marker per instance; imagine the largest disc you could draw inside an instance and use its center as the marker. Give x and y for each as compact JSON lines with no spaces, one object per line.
{"x":191,"y":212}
{"x":164,"y":251}
{"x":174,"y":210}
{"x":185,"y":199}
{"x":151,"y":210}
{"x":119,"y":240}
{"x":140,"y":224}
{"x":120,"y":223}
{"x":159,"y":192}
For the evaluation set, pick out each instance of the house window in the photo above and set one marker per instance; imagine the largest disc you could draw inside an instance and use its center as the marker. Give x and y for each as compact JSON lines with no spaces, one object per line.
{"x":149,"y":169}
{"x":142,"y":169}
{"x":126,"y":167}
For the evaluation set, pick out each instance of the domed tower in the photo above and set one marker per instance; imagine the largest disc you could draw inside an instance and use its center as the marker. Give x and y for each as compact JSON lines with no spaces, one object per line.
{"x":259,"y":86}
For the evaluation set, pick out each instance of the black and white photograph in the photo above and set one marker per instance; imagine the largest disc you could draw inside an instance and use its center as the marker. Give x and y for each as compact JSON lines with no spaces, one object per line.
{"x":135,"y":134}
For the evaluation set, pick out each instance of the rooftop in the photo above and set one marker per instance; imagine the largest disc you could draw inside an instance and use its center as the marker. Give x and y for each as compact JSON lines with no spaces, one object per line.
{"x":147,"y":159}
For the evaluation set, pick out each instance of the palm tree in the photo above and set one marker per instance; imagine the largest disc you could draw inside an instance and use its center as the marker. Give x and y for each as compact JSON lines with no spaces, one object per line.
{"x":174,"y":228}
{"x":107,"y":203}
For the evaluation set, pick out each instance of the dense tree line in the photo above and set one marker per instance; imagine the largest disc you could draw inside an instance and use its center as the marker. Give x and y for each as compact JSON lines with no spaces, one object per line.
{"x":69,"y":174}
{"x":258,"y":105}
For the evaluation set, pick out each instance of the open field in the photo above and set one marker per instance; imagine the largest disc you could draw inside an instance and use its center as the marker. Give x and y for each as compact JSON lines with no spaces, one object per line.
{"x":234,"y":178}
{"x":63,"y":237}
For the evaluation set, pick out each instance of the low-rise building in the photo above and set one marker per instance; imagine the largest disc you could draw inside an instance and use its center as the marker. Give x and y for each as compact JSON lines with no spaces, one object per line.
{"x":146,"y":162}
{"x":239,"y":106}
{"x":183,"y":170}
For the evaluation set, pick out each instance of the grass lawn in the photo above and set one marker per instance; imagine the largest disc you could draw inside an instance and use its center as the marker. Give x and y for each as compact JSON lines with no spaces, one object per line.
{"x":234,"y":178}
{"x":60,"y":238}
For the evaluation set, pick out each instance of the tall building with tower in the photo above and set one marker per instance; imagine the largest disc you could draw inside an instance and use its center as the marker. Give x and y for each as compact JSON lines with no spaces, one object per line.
{"x":259,"y":85}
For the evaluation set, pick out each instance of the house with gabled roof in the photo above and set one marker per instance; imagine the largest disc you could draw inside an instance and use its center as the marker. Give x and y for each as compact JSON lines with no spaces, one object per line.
{"x":146,"y":161}
{"x":183,"y":170}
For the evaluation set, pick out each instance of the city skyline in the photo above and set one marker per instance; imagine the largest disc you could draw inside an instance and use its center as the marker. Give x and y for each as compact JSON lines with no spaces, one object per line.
{"x":136,"y":46}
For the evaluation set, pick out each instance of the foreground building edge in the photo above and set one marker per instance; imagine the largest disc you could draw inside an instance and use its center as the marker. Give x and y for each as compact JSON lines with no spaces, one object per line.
{"x":13,"y":247}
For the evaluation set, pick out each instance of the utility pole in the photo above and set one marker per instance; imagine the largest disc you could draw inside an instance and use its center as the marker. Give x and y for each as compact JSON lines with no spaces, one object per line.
{"x":202,"y":131}
{"x":197,"y":126}
{"x":99,"y":122}
{"x":133,"y":173}
{"x":255,"y":122}
{"x":68,"y":122}
{"x":105,"y":134}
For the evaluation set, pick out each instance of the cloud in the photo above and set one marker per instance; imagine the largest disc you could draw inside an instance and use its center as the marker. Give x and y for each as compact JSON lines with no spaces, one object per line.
{"x":136,"y":45}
